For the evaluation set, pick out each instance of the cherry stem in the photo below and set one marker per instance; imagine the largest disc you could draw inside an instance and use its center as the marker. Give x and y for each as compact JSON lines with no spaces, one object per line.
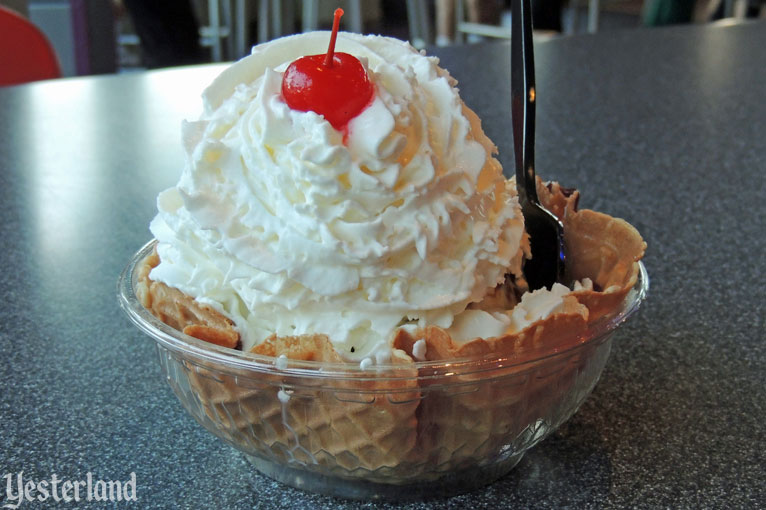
{"x":335,"y":24}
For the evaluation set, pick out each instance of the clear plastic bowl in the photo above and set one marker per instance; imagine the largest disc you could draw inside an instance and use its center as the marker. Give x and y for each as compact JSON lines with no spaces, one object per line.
{"x":388,"y":432}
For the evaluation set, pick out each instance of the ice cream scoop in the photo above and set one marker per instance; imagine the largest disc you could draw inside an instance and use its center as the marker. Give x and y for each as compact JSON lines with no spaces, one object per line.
{"x":289,"y":226}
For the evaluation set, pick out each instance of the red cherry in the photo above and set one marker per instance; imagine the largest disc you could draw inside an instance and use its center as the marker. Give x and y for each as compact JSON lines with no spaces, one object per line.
{"x":333,"y":85}
{"x":339,"y":93}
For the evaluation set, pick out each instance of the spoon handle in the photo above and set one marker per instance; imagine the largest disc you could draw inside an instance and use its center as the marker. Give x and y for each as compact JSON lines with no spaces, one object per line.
{"x":523,"y":99}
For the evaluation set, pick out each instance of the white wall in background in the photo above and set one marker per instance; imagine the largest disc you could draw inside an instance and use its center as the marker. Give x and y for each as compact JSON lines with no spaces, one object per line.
{"x":55,"y":20}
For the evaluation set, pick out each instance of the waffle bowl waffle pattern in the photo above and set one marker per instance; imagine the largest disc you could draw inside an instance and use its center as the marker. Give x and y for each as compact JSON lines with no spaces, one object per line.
{"x":449,"y":420}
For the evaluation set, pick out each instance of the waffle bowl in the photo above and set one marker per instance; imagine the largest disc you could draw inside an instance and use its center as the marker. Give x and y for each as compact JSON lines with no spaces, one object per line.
{"x":404,"y":430}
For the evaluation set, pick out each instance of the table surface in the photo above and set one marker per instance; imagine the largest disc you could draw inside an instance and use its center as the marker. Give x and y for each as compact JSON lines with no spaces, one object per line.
{"x":665,"y":128}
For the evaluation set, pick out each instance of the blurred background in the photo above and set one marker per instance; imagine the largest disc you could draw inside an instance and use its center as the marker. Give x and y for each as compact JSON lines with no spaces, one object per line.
{"x":108,"y":36}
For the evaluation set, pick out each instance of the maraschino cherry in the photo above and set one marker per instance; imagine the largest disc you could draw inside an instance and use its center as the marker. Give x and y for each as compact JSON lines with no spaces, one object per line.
{"x":335,"y":85}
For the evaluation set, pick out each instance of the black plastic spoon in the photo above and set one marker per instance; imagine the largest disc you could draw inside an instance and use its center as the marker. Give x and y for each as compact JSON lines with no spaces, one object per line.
{"x":545,"y":231}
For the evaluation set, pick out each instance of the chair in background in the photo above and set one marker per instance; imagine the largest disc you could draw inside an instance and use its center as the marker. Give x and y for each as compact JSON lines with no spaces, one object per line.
{"x":227,"y":32}
{"x":25,"y":53}
{"x":454,"y":21}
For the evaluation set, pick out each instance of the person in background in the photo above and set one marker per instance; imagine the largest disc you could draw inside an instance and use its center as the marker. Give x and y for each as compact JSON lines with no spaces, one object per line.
{"x":168,"y":31}
{"x":546,"y":14}
{"x":667,"y":12}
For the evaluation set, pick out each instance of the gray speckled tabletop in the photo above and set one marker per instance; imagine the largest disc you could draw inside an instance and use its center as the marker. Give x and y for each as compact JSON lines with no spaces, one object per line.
{"x":664,"y":127}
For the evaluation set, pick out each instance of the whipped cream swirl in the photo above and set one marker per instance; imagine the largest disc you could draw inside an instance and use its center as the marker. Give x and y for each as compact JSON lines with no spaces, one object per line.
{"x":290,"y":227}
